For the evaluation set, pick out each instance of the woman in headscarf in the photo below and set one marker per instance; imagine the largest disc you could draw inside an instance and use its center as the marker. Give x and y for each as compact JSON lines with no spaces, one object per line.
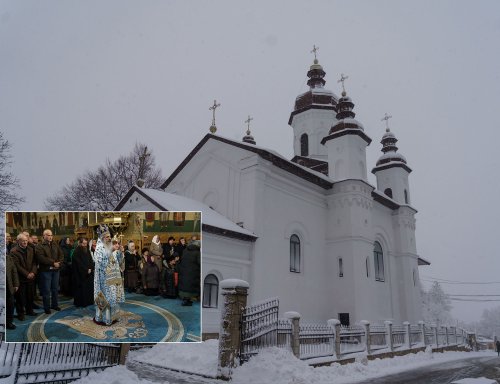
{"x":151,"y":277}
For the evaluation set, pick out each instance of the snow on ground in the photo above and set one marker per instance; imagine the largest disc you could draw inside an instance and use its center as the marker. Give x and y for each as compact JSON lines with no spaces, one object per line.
{"x":279,"y":366}
{"x":199,"y":358}
{"x":114,"y":375}
{"x":274,"y":365}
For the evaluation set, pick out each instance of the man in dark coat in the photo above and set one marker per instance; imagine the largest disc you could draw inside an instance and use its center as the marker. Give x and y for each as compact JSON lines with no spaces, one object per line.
{"x":131,"y":273}
{"x":189,"y":273}
{"x":12,"y":282}
{"x":50,"y":258}
{"x":24,"y":259}
{"x":83,"y":275}
{"x":8,"y":243}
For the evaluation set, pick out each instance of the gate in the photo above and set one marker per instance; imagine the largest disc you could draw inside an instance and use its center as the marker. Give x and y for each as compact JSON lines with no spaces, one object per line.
{"x":258,"y":328}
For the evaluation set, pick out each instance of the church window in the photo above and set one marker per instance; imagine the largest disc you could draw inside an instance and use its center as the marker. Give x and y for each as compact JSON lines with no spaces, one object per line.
{"x":294,"y":254}
{"x":378,"y":256}
{"x":304,"y":145}
{"x":344,"y":319}
{"x":407,"y":200}
{"x":388,"y":192}
{"x":367,"y":262}
{"x":210,"y":291}
{"x":414,"y":278}
{"x":341,"y":267}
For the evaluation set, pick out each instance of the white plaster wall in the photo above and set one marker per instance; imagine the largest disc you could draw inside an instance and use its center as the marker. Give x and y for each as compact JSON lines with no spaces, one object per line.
{"x":225,"y":258}
{"x":347,"y":157}
{"x":316,"y":123}
{"x":395,"y":178}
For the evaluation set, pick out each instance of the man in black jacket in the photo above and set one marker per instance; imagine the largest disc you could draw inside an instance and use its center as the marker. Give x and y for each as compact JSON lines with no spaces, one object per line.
{"x":24,"y":259}
{"x":50,"y":258}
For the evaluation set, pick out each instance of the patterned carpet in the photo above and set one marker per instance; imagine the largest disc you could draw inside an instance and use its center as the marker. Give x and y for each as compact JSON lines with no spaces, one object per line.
{"x":142,"y":319}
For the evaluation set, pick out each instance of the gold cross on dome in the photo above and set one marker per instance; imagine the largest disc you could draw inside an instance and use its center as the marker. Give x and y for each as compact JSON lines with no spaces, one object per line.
{"x":341,"y":80}
{"x":248,"y":123}
{"x":315,"y":50}
{"x":386,"y":118}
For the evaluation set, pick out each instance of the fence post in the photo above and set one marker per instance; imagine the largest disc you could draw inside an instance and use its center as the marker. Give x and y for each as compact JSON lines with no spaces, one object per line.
{"x":407,"y":334}
{"x":234,"y":293}
{"x":388,"y":332}
{"x":124,"y":349}
{"x":368,"y":338}
{"x":446,"y":334}
{"x":295,"y":339}
{"x":422,"y":331}
{"x":436,"y":335}
{"x":334,"y":323}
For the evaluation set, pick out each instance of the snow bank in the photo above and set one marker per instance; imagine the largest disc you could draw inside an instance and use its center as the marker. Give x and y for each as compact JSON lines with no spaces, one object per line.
{"x":114,"y":375}
{"x":199,"y":358}
{"x":279,"y":366}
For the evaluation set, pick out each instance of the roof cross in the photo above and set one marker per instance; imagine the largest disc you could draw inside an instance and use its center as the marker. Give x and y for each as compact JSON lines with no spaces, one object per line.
{"x":315,"y":50}
{"x":386,"y":118}
{"x":341,"y":80}
{"x":248,"y":123}
{"x":213,"y":108}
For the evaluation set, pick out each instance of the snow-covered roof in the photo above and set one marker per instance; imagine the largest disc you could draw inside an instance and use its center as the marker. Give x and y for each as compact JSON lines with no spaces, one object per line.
{"x":268,"y":154}
{"x":174,"y":202}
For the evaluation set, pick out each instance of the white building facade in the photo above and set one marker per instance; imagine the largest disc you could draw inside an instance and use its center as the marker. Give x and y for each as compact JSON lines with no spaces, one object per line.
{"x":311,"y":231}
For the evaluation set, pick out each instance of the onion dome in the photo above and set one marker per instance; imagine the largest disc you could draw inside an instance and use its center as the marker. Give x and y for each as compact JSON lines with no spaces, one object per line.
{"x":248,"y":138}
{"x":345,"y":116}
{"x":390,"y":157}
{"x":317,"y":97}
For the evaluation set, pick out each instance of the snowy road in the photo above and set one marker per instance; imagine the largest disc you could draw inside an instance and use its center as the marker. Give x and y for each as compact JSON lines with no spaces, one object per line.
{"x":445,"y":373}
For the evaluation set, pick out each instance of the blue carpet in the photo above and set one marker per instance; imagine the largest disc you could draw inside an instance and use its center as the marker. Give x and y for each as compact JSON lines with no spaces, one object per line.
{"x":143,"y":319}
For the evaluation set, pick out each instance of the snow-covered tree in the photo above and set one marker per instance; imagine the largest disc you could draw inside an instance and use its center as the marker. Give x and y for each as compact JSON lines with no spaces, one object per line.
{"x":489,"y":325}
{"x":436,"y":305}
{"x":102,"y":189}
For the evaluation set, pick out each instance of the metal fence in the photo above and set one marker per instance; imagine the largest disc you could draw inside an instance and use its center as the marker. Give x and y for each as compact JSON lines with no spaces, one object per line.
{"x":316,"y":340}
{"x":258,"y":327}
{"x":352,"y":339}
{"x":398,"y":336}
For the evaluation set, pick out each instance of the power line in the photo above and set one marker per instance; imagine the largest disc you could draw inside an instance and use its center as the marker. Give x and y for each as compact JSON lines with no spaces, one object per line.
{"x":458,"y":294}
{"x":461,"y":282}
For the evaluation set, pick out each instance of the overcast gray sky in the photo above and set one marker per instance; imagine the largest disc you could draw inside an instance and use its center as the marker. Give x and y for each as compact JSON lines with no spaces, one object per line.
{"x":84,"y":80}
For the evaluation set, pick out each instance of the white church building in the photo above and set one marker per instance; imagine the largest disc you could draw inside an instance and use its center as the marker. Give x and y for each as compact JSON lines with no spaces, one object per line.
{"x":312,"y":230}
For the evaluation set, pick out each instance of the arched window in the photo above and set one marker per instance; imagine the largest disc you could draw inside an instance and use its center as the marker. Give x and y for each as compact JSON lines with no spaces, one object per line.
{"x":378,"y":261}
{"x":341,"y":267}
{"x":367,"y":262}
{"x":304,"y":145}
{"x":407,"y":200}
{"x":210,"y":291}
{"x":294,"y":254}
{"x":388,"y":192}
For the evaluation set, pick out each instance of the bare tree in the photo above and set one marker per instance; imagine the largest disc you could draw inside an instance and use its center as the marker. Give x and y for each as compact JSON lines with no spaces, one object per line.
{"x":102,"y":189}
{"x":9,"y":184}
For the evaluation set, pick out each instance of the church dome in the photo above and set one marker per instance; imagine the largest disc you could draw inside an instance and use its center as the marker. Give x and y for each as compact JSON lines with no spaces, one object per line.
{"x":389,"y":149}
{"x":345,"y":116}
{"x":317,"y":94}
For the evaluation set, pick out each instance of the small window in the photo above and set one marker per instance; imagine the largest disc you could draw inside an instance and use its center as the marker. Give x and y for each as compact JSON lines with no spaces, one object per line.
{"x":407,"y":200}
{"x":344,"y":319}
{"x":341,"y":267}
{"x":367,"y":262}
{"x":388,"y":192}
{"x":210,"y":291}
{"x":304,"y":145}
{"x":294,"y":254}
{"x":414,"y":278}
{"x":378,"y":261}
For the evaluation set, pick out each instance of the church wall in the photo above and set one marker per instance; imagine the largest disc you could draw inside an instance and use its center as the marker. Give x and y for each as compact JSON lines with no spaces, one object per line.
{"x":347,"y":157}
{"x":225,"y":258}
{"x":284,"y":206}
{"x":397,"y":180}
{"x":316,"y":124}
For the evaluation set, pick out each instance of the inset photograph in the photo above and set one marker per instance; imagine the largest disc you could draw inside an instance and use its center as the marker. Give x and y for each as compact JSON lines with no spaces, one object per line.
{"x":103,"y":277}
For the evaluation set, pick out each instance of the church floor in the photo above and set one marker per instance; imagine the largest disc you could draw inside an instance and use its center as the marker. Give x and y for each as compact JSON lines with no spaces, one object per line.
{"x":143,"y":319}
